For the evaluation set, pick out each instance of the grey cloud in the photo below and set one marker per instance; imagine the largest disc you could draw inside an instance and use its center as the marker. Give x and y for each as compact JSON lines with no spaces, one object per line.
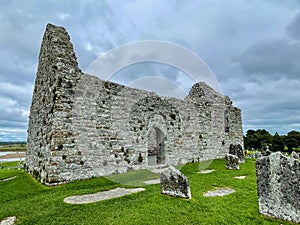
{"x":216,"y":32}
{"x":266,"y":104}
{"x":293,"y":29}
{"x":139,"y":70}
{"x":271,"y":58}
{"x":8,"y":125}
{"x":20,"y":93}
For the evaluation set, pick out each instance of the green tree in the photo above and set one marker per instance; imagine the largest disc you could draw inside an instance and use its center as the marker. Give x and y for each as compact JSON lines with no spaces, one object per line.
{"x":277,"y":143}
{"x":249,"y":140}
{"x":258,"y":139}
{"x":292,"y":140}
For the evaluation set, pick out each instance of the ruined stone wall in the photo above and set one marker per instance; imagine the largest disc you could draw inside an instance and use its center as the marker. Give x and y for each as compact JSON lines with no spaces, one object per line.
{"x":52,"y":102}
{"x":81,"y":126}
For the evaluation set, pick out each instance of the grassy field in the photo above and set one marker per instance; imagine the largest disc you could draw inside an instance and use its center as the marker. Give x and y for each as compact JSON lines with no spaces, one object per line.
{"x":34,"y":203}
{"x":13,"y":148}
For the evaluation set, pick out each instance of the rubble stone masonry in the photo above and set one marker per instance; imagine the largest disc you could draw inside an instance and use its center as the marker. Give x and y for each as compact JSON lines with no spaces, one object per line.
{"x":81,"y":126}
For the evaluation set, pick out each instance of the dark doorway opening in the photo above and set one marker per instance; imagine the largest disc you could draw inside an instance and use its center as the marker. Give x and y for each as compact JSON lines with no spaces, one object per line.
{"x":156,"y":147}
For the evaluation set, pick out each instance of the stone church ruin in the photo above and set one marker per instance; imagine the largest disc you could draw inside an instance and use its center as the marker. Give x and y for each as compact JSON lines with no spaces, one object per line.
{"x":81,"y":126}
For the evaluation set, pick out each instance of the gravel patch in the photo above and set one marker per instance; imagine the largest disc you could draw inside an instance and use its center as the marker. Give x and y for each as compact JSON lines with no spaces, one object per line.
{"x":219,"y":192}
{"x":100,"y":196}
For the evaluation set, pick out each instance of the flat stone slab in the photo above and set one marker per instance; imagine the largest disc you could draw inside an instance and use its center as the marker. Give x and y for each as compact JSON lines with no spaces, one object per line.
{"x":7,"y":179}
{"x":8,"y":220}
{"x":100,"y":196}
{"x":206,"y":171}
{"x":154,"y":181}
{"x":240,"y":177}
{"x":219,"y":192}
{"x":158,"y":170}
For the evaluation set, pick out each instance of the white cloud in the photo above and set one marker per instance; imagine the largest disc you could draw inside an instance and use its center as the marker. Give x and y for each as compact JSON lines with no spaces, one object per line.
{"x":64,"y":16}
{"x":159,"y":85}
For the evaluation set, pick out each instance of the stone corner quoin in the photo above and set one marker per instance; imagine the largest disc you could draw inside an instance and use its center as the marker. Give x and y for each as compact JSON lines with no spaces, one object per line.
{"x":81,"y":126}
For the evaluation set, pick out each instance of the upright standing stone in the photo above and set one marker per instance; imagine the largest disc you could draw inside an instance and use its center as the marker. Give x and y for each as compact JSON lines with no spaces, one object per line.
{"x":174,"y":183}
{"x":266,"y":152}
{"x":232,"y":162}
{"x":257,"y":154}
{"x":238,"y":151}
{"x":278,"y":187}
{"x":295,"y":155}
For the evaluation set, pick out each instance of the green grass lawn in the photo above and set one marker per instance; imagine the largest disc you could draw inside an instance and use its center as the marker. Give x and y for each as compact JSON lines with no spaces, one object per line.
{"x":13,"y":148}
{"x":34,"y":203}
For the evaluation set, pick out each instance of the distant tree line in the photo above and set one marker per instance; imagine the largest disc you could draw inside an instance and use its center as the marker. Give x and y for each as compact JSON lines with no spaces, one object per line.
{"x":12,"y":142}
{"x":262,"y":139}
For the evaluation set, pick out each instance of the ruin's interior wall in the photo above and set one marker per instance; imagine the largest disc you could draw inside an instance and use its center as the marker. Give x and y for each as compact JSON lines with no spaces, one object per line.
{"x":98,"y":128}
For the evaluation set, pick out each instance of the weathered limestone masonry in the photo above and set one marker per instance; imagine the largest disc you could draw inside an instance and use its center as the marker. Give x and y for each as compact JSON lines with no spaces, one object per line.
{"x":82,"y":127}
{"x":278,"y":184}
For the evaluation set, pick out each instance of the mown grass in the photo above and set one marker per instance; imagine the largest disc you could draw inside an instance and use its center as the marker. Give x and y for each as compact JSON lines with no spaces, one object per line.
{"x":34,"y":203}
{"x":13,"y":148}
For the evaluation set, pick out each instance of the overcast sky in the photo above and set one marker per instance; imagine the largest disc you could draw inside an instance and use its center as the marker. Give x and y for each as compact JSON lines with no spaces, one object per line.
{"x":252,"y":47}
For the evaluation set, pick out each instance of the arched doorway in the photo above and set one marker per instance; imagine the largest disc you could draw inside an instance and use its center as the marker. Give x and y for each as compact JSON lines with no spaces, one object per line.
{"x":156,"y":147}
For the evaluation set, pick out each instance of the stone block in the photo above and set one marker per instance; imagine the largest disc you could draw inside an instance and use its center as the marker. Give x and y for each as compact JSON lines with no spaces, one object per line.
{"x":174,"y":183}
{"x":278,"y":183}
{"x":152,"y":160}
{"x":257,"y":154}
{"x":232,"y":162}
{"x":238,"y":151}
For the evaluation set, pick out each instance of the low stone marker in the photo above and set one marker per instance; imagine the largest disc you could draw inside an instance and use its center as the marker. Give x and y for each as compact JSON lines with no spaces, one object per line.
{"x":278,"y":184}
{"x":174,"y":183}
{"x":238,"y":151}
{"x":232,"y":162}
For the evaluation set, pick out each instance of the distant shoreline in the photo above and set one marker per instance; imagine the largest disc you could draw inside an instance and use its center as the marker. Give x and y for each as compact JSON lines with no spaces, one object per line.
{"x":13,"y":155}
